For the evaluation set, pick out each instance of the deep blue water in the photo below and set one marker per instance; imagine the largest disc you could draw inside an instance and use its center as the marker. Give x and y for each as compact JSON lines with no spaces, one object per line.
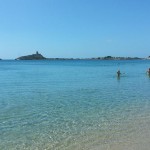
{"x":71,"y":104}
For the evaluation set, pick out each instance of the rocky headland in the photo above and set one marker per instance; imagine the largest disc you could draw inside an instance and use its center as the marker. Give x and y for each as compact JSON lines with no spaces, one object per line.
{"x":36,"y":56}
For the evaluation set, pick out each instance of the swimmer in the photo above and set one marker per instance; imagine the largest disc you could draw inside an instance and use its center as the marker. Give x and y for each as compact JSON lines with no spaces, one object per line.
{"x":118,"y":73}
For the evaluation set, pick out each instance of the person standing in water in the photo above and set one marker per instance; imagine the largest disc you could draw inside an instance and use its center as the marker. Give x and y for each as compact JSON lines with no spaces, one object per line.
{"x":148,"y":71}
{"x":118,"y":73}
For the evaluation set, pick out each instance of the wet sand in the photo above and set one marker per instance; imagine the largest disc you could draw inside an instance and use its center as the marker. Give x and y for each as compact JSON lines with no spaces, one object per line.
{"x":139,"y":142}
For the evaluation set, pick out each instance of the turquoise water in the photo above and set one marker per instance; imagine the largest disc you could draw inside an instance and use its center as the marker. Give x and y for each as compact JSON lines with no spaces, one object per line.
{"x":72,"y":104}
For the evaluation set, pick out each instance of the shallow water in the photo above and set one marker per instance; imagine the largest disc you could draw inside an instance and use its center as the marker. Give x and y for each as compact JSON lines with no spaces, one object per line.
{"x":73,"y":104}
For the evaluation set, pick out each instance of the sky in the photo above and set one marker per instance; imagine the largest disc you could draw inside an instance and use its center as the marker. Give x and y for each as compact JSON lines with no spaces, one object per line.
{"x":74,"y":28}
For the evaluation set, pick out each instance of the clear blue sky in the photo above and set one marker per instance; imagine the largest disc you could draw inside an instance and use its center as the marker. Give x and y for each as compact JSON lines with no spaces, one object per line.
{"x":74,"y":28}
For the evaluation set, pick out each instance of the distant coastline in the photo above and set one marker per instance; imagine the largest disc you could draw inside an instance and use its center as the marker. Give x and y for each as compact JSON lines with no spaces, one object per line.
{"x":98,"y":58}
{"x":38,"y":56}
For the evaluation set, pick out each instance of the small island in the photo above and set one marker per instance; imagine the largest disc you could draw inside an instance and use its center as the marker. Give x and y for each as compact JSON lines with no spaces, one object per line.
{"x":36,"y":56}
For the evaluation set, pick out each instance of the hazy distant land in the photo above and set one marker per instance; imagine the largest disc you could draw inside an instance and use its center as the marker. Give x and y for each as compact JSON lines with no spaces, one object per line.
{"x":38,"y":56}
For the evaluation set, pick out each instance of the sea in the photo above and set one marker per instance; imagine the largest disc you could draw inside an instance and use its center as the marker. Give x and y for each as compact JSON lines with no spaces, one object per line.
{"x":74,"y":105}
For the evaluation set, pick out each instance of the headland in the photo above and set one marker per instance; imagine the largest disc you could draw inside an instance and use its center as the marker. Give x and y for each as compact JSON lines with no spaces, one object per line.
{"x":38,"y":56}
